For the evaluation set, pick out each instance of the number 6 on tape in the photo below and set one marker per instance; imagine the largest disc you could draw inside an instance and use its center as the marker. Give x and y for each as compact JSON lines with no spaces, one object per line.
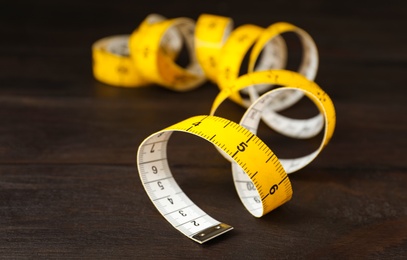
{"x":243,"y":147}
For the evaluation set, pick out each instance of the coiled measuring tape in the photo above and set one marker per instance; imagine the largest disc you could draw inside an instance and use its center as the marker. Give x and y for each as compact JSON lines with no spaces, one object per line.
{"x":245,"y":148}
{"x":216,"y":53}
{"x":159,"y":67}
{"x":147,"y":56}
{"x":296,"y":128}
{"x":260,"y":177}
{"x":248,"y":35}
{"x":231,"y":59}
{"x":112,"y":63}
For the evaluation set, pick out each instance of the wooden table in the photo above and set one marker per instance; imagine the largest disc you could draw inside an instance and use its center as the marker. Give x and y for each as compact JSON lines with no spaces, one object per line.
{"x":69,"y":185}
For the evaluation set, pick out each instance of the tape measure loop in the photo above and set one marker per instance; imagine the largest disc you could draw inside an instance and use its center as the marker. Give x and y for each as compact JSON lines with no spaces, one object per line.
{"x":210,"y":35}
{"x":217,"y":52}
{"x":246,"y":150}
{"x":150,"y":54}
{"x":112,"y":63}
{"x":294,"y":128}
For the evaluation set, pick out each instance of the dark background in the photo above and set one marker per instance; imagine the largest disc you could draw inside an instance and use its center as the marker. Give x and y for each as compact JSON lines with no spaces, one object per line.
{"x":69,"y":186}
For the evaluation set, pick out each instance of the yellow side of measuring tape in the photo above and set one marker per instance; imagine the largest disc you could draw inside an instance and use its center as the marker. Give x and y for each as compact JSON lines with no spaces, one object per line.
{"x":112,"y":63}
{"x":260,"y":177}
{"x":216,"y":52}
{"x":211,"y":32}
{"x":246,"y":150}
{"x":159,"y":67}
{"x":244,"y":37}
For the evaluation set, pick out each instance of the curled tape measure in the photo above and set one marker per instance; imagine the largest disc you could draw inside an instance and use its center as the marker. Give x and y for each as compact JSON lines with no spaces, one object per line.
{"x":159,"y":67}
{"x":273,"y":57}
{"x":244,"y":148}
{"x":260,"y":177}
{"x":147,"y":56}
{"x":296,"y":128}
{"x":112,"y":63}
{"x":211,"y":32}
{"x":216,"y":52}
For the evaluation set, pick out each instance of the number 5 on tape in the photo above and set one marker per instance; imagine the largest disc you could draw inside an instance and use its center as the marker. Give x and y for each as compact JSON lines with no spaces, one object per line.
{"x":246,"y":149}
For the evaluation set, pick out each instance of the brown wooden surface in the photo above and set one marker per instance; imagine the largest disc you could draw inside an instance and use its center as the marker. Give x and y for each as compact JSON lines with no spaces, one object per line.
{"x":69,"y":186}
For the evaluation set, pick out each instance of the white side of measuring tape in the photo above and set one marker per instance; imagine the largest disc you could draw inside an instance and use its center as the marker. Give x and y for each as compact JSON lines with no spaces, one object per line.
{"x":148,"y":56}
{"x":168,"y":197}
{"x":308,"y":66}
{"x":251,"y":119}
{"x":243,"y":147}
{"x":295,"y":128}
{"x":287,"y":97}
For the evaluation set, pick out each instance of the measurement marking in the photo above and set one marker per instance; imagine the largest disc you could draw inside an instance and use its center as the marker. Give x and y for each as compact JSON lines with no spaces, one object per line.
{"x":227,"y":124}
{"x":234,"y":154}
{"x":189,"y":128}
{"x":168,"y":196}
{"x":254,"y":174}
{"x":162,"y":141}
{"x":158,"y":180}
{"x":191,"y":220}
{"x":204,"y":118}
{"x":212,"y":137}
{"x":152,"y":149}
{"x":283,"y":179}
{"x":250,"y":138}
{"x":270,"y":158}
{"x":265,"y":196}
{"x":168,"y":213}
{"x":153,"y":161}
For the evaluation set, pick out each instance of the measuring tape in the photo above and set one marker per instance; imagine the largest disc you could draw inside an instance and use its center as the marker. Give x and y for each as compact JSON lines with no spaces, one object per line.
{"x":297,"y":128}
{"x":147,"y":56}
{"x":159,"y":67}
{"x":112,"y":63}
{"x":231,"y":58}
{"x":260,"y":177}
{"x":243,"y":147}
{"x":216,"y":53}
{"x":210,"y":35}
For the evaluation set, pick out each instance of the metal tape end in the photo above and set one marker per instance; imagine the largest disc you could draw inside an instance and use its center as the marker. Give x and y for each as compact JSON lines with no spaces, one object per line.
{"x":211,"y":232}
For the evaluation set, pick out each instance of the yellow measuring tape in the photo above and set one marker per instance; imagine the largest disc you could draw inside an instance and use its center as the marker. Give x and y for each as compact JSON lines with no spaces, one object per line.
{"x":216,"y":51}
{"x":112,"y":63}
{"x":260,"y":177}
{"x":273,"y":57}
{"x":157,"y":65}
{"x":246,"y":150}
{"x":148,"y":55}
